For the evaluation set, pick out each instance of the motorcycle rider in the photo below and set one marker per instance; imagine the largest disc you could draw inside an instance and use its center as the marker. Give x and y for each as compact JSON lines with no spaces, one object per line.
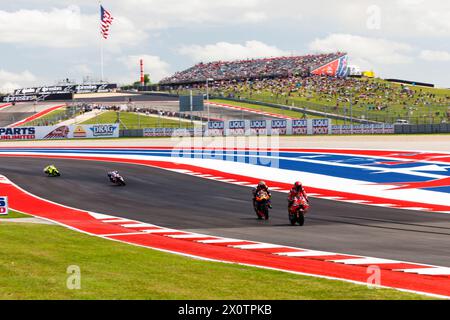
{"x":262,"y":186}
{"x":50,"y":170}
{"x":297,"y":191}
{"x":113,"y":175}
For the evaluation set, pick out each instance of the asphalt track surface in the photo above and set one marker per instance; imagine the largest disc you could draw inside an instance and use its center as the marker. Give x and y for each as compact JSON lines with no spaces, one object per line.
{"x":210,"y":207}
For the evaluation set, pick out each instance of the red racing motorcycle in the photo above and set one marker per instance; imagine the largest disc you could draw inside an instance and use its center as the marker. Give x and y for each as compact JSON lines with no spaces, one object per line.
{"x":298,"y":211}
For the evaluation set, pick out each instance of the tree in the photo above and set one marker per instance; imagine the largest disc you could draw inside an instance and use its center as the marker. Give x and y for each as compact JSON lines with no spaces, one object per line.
{"x":147,"y":79}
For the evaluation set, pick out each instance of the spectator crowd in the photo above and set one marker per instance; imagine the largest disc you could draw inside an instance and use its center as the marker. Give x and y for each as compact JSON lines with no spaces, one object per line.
{"x":252,"y":69}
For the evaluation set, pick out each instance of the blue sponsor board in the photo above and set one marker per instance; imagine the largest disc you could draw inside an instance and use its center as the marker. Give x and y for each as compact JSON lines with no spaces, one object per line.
{"x":278,"y":126}
{"x":300,"y":126}
{"x":320,"y":126}
{"x":216,"y":128}
{"x":236,"y":127}
{"x":258,"y":127}
{"x":103,"y":130}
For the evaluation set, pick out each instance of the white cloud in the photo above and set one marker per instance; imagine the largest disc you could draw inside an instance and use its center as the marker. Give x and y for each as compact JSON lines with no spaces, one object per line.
{"x":10,"y":80}
{"x":153,"y":65}
{"x":373,"y":51}
{"x":64,"y":28}
{"x":430,"y":55}
{"x":230,"y":51}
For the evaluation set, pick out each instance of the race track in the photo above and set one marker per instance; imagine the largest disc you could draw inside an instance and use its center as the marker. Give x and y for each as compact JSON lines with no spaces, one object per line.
{"x":194,"y":204}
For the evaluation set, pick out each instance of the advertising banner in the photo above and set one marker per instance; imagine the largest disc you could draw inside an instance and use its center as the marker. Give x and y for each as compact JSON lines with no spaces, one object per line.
{"x":258,"y":127}
{"x":335,"y":129}
{"x":389,"y":128}
{"x":216,"y":128}
{"x":357,"y":129}
{"x":37,"y":97}
{"x":3,"y":205}
{"x":61,"y":132}
{"x":235,"y":128}
{"x":320,"y":126}
{"x":378,"y":128}
{"x":73,"y":88}
{"x":278,"y":126}
{"x":299,"y":127}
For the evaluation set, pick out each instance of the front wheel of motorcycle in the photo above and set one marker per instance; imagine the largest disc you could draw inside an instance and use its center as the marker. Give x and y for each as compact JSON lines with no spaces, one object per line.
{"x":301,"y":219}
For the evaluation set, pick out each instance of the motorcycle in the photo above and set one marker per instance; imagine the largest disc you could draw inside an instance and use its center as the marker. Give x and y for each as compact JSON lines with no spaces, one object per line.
{"x":52,"y":172}
{"x":118,"y":180}
{"x":262,"y":205}
{"x":298,"y":210}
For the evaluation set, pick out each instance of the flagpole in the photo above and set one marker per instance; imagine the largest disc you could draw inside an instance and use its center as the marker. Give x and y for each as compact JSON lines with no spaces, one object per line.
{"x":101,"y":57}
{"x":101,"y":47}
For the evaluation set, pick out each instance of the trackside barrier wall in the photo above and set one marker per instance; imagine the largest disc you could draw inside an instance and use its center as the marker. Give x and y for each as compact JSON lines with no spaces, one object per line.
{"x":60,"y":132}
{"x":423,"y":128}
{"x":270,"y":127}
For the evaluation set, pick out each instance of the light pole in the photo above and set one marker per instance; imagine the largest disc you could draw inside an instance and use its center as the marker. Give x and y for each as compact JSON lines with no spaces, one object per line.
{"x":207,"y":94}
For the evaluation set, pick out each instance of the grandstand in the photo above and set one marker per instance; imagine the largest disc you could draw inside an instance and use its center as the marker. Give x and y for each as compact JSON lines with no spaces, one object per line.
{"x":252,"y":68}
{"x":315,"y":83}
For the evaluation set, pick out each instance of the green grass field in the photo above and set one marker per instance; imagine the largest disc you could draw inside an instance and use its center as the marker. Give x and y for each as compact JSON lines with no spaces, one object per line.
{"x":51,"y":118}
{"x":34,"y":261}
{"x":14,"y":215}
{"x":135,"y":121}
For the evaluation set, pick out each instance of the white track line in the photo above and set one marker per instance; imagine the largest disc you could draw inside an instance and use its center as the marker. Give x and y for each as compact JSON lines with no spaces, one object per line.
{"x":365,"y":261}
{"x":444,"y":271}
{"x":257,"y":246}
{"x":306,"y":253}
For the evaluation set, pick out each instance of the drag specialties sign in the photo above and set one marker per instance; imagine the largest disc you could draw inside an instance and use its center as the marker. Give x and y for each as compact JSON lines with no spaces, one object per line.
{"x":21,"y":133}
{"x":258,"y":127}
{"x":216,"y":128}
{"x":3,"y":205}
{"x":299,"y":127}
{"x":236,"y":127}
{"x":320,"y":126}
{"x":104,"y":130}
{"x":278,"y":127}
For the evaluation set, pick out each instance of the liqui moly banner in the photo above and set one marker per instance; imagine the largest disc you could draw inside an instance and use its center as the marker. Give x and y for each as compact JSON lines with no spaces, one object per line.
{"x":235,"y":128}
{"x":258,"y":127}
{"x":300,"y":126}
{"x":216,"y":128}
{"x":60,"y":132}
{"x":278,"y":126}
{"x":321,"y":126}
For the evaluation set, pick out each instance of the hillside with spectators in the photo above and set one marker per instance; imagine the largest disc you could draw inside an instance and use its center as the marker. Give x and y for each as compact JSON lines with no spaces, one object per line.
{"x":252,"y":68}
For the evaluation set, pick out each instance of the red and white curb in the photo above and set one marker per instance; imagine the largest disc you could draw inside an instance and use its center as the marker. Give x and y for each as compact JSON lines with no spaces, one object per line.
{"x":406,"y":276}
{"x":36,"y":116}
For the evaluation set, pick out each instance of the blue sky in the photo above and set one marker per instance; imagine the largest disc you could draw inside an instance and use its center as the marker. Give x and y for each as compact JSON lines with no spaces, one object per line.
{"x":47,"y":40}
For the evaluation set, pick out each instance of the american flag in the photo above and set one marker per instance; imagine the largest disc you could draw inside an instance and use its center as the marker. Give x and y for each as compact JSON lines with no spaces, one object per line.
{"x":105,"y":21}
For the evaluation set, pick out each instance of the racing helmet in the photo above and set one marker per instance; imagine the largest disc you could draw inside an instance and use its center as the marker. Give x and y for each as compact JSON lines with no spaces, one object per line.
{"x":262,"y":184}
{"x":298,"y":185}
